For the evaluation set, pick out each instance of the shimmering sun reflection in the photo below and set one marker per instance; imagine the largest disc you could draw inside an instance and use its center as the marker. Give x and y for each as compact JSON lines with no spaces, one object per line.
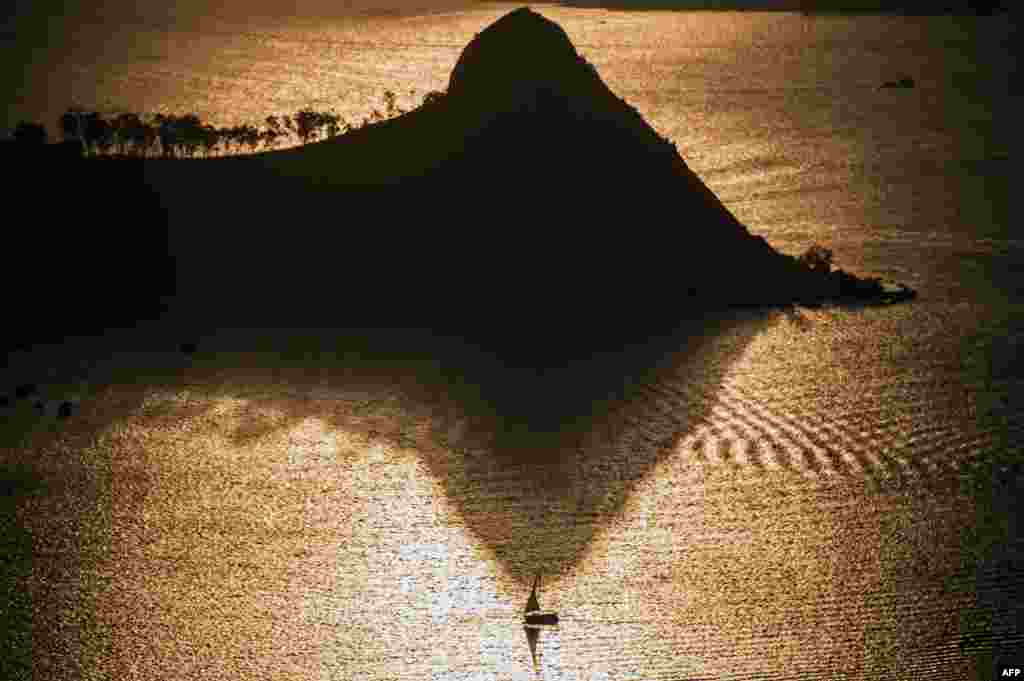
{"x":294,"y":544}
{"x":721,"y":524}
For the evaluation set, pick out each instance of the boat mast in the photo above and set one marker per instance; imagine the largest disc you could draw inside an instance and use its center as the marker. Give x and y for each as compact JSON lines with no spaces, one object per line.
{"x":531,"y":604}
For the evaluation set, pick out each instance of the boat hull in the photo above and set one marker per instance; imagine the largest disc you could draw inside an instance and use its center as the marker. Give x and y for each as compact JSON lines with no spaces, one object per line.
{"x":537,"y":619}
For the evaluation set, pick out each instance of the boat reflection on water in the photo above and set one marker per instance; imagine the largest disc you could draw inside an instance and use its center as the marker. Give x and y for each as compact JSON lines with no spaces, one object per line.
{"x":535,"y":620}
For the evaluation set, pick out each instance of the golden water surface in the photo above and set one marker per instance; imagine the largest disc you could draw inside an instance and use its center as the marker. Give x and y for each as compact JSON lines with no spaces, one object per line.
{"x":798,"y":494}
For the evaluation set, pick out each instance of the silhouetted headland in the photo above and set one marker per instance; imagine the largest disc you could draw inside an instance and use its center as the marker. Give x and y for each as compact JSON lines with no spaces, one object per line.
{"x":911,"y":7}
{"x":529,"y":208}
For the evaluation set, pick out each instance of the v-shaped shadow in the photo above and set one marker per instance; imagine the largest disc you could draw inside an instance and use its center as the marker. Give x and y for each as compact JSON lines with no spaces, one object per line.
{"x":535,"y":464}
{"x":532,"y":461}
{"x":538,"y":460}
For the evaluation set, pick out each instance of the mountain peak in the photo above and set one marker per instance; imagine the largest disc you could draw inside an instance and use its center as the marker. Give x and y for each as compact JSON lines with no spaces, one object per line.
{"x":521,"y":93}
{"x":583,"y":226}
{"x":521,"y":48}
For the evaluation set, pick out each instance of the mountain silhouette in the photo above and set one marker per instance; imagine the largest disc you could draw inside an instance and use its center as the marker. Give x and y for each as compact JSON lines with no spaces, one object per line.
{"x":592,"y":227}
{"x":529,"y":208}
{"x":568,"y":219}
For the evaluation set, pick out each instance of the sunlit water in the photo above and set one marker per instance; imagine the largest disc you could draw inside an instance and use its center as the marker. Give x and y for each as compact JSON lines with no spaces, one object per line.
{"x":813,"y":494}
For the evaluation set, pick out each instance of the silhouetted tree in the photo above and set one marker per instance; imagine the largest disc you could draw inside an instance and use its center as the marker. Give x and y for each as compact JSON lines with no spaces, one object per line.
{"x":190,"y":131}
{"x":184,"y":135}
{"x":432,"y":97}
{"x":817,"y":258}
{"x":129,"y":128}
{"x":99,"y":134}
{"x":250,"y":137}
{"x":167,"y":134}
{"x":269,"y":138}
{"x":272,"y":133}
{"x":150,"y":135}
{"x":273,"y":123}
{"x":209,"y":137}
{"x":227,"y":136}
{"x":307,"y":123}
{"x":389,"y":103}
{"x":334,"y":124}
{"x":289,"y":124}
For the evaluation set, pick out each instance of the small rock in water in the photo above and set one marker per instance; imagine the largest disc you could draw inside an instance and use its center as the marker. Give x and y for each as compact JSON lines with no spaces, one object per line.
{"x":39,"y":405}
{"x":5,"y":401}
{"x":64,"y":410}
{"x":189,"y":347}
{"x":24,"y":390}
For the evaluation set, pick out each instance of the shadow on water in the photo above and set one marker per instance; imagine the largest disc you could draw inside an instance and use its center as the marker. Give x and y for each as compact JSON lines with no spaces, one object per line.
{"x":564,"y":449}
{"x":534,"y":463}
{"x":534,"y":460}
{"x":536,"y":494}
{"x":16,"y":482}
{"x":547,"y":454}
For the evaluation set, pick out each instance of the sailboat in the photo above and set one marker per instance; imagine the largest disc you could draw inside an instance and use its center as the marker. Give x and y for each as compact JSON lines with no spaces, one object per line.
{"x":535,"y":617}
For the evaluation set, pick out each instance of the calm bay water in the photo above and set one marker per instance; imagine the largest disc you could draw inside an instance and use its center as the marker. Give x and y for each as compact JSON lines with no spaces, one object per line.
{"x":817,"y":493}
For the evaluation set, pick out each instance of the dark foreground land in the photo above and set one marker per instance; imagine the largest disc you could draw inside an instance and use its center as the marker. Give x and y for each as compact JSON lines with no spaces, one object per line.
{"x":529,"y":209}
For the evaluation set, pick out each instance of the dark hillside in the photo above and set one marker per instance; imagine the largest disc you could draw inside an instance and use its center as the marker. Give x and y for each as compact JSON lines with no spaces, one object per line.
{"x":530,"y":209}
